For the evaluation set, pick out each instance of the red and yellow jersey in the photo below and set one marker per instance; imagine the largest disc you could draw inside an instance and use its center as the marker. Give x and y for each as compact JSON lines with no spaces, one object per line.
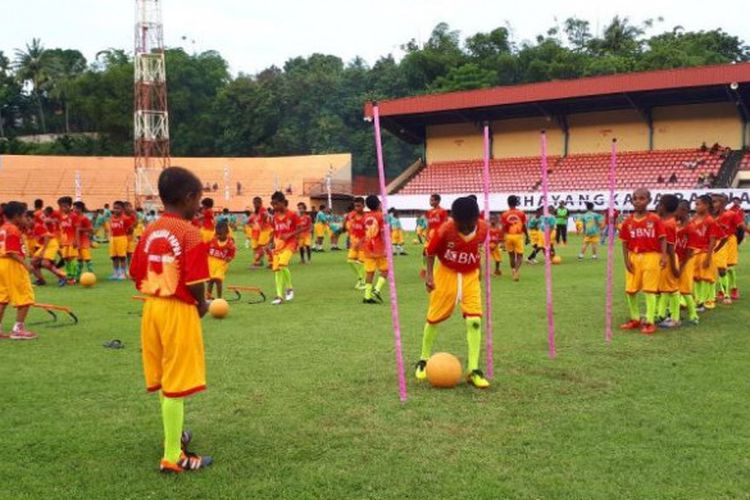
{"x":457,"y":251}
{"x":11,"y":240}
{"x":374,"y":238}
{"x":356,"y":225}
{"x":728,"y":222}
{"x":52,"y":222}
{"x":131,"y":220}
{"x":670,"y":230}
{"x":705,"y":229}
{"x":496,"y":236}
{"x":260,"y":220}
{"x":513,"y":221}
{"x":284,"y":228}
{"x":643,"y":234}
{"x":40,"y":232}
{"x":119,"y":225}
{"x":223,"y":250}
{"x":687,"y":238}
{"x":84,"y":223}
{"x":305,"y":223}
{"x":170,"y":257}
{"x":207,"y":219}
{"x":68,"y":224}
{"x":38,"y":216}
{"x":435,"y":218}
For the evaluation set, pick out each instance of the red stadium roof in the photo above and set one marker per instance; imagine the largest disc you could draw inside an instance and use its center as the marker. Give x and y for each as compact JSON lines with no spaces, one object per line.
{"x":671,"y":79}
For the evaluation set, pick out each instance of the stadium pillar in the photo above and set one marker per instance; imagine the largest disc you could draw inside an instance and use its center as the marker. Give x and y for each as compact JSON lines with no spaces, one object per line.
{"x":650,"y":124}
{"x":562,"y":121}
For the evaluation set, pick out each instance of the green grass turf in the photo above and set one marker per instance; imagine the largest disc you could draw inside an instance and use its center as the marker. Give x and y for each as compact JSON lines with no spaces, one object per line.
{"x":302,"y":399}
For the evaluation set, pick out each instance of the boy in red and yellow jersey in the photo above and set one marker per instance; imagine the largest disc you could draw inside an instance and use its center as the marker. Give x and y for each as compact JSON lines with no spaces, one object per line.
{"x":118,"y":241}
{"x":170,"y":267}
{"x":68,"y":221}
{"x":262,"y":231}
{"x":685,"y":248}
{"x":669,"y":277}
{"x":374,"y":250}
{"x":305,"y":237}
{"x":516,"y":233}
{"x":15,"y":285}
{"x":708,"y":233}
{"x":457,"y":245}
{"x":644,"y":249}
{"x":82,"y":243}
{"x":206,"y":216}
{"x":435,"y":218}
{"x":285,"y":233}
{"x":221,"y":251}
{"x":497,"y":237}
{"x":355,"y":225}
{"x":729,"y":222}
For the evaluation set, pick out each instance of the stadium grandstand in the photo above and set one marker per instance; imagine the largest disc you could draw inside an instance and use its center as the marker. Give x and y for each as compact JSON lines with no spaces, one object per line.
{"x":232,"y":182}
{"x":679,"y":129}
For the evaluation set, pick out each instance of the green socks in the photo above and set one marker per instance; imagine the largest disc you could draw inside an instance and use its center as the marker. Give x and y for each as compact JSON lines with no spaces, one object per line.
{"x":691,"y":308}
{"x":358,"y":269}
{"x":279,"y":277}
{"x":731,"y":278}
{"x":633,"y":306}
{"x":661,"y":305}
{"x":428,"y":338}
{"x":172,"y":415}
{"x":474,"y":339}
{"x":650,"y":307}
{"x":380,"y":283}
{"x":674,"y":306}
{"x":287,"y":274}
{"x":368,"y":291}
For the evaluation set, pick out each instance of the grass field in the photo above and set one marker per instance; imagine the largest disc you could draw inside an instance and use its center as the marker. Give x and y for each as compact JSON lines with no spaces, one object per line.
{"x":302,"y":399}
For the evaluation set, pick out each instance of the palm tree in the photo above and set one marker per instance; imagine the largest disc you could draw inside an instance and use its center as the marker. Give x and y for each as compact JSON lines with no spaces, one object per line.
{"x":31,"y":68}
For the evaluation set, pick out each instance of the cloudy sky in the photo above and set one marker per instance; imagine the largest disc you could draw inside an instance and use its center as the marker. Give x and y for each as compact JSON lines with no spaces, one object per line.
{"x":253,"y":34}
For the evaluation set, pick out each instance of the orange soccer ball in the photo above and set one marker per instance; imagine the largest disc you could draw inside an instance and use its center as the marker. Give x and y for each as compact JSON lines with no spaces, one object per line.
{"x":218,"y":308}
{"x":443,"y":370}
{"x":556,"y":259}
{"x":87,"y":280}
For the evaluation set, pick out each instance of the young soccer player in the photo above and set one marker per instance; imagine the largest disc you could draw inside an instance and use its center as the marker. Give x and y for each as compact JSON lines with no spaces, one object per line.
{"x":321,"y":228}
{"x":221,"y":251}
{"x":397,"y":232}
{"x":685,"y":248}
{"x":644,"y":250}
{"x":592,"y":225}
{"x":247,"y":228}
{"x":669,"y":277}
{"x":514,"y":227}
{"x":305,"y":236}
{"x":537,"y":225}
{"x":131,"y":224}
{"x":374,"y":251}
{"x":729,"y":222}
{"x":47,"y":247}
{"x":356,"y":255}
{"x":82,"y":244}
{"x":336,"y":228}
{"x":262,"y":232}
{"x":497,"y":239}
{"x":67,"y":221}
{"x":457,"y":246}
{"x":421,"y":229}
{"x":435,"y":216}
{"x":15,"y":285}
{"x":206,"y":216}
{"x":285,"y":232}
{"x":118,"y":241}
{"x":705,"y":266}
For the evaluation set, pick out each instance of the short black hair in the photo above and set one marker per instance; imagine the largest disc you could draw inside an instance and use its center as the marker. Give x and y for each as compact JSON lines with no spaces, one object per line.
{"x":48,"y":210}
{"x":589,"y":205}
{"x":207,"y":203}
{"x":706,"y":198}
{"x":14,"y":209}
{"x":222,"y":225}
{"x":120,"y":203}
{"x":372,"y":202}
{"x":513,"y":201}
{"x":176,"y":184}
{"x":278,"y":196}
{"x":65,"y":200}
{"x":225,"y":211}
{"x":359,"y":199}
{"x":465,"y":209}
{"x":670,"y":202}
{"x":38,"y":204}
{"x":684,"y":203}
{"x":80,"y":206}
{"x":258,"y":198}
{"x":302,"y":204}
{"x":436,"y":196}
{"x":736,"y":198}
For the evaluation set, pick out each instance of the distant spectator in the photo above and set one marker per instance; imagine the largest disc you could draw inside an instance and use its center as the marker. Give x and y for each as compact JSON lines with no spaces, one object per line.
{"x":215,"y":187}
{"x":289,"y":189}
{"x":701,"y":181}
{"x":239,"y":188}
{"x":715,"y":148}
{"x":660,"y":179}
{"x":673,"y":178}
{"x":704,"y":148}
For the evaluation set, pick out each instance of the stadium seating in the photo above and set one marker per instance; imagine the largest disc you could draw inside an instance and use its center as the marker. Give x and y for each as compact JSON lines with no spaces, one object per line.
{"x":691,"y":168}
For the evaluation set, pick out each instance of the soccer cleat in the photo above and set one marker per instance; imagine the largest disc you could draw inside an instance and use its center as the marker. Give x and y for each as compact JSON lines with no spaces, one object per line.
{"x":4,"y":335}
{"x":185,"y":439}
{"x":360,"y":285}
{"x":700,"y":308}
{"x":61,"y":282}
{"x":648,"y":329}
{"x":498,"y":273}
{"x":277,"y":301}
{"x":370,"y":301}
{"x":22,"y":335}
{"x":594,"y":257}
{"x":421,"y":371}
{"x":40,"y":282}
{"x":187,"y":462}
{"x":377,"y":295}
{"x":735,"y":294}
{"x":710,"y":304}
{"x":289,"y":294}
{"x":719,"y":296}
{"x":114,"y":277}
{"x":580,"y":256}
{"x":693,"y":322}
{"x":633,"y":324}
{"x":476,"y":378}
{"x":727,"y":301}
{"x":669,"y":323}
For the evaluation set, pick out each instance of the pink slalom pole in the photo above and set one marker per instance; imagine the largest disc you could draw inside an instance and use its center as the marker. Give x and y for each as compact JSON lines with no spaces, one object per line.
{"x":610,"y":242}
{"x":547,"y":258}
{"x":487,"y":256}
{"x":389,"y":255}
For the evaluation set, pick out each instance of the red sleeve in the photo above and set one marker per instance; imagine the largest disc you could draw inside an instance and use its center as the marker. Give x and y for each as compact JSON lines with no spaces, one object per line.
{"x":661,"y":231}
{"x":138,"y":264}
{"x":625,"y":231}
{"x":13,"y":243}
{"x":714,"y":230}
{"x":196,"y":259}
{"x":435,"y":244}
{"x":231,"y":250}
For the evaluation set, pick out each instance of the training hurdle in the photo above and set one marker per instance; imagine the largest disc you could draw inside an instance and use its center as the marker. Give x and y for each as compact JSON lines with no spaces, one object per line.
{"x":52,"y":310}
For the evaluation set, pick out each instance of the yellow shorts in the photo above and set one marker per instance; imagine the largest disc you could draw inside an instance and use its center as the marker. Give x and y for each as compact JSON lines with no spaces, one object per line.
{"x":514,"y":243}
{"x":50,"y":253}
{"x":217,"y":268}
{"x":305,"y":240}
{"x":281,"y":258}
{"x":248,"y":230}
{"x":721,"y":257}
{"x":84,"y":254}
{"x":708,"y":274}
{"x":451,"y":288}
{"x":118,"y":247}
{"x":264,"y":237}
{"x":172,"y":347}
{"x":733,"y":251}
{"x":320,"y":229}
{"x":373,"y":264}
{"x":686,"y":277}
{"x":15,"y":284}
{"x":354,"y":253}
{"x":397,"y":236}
{"x":68,"y":252}
{"x":207,"y":235}
{"x":646,"y":273}
{"x":496,"y":253}
{"x":536,"y":237}
{"x":591,"y":240}
{"x":668,"y":282}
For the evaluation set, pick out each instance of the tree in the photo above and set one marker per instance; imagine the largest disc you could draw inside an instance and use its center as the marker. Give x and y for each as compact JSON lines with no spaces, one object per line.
{"x":63,"y":67}
{"x":578,"y":33}
{"x":31,"y":67}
